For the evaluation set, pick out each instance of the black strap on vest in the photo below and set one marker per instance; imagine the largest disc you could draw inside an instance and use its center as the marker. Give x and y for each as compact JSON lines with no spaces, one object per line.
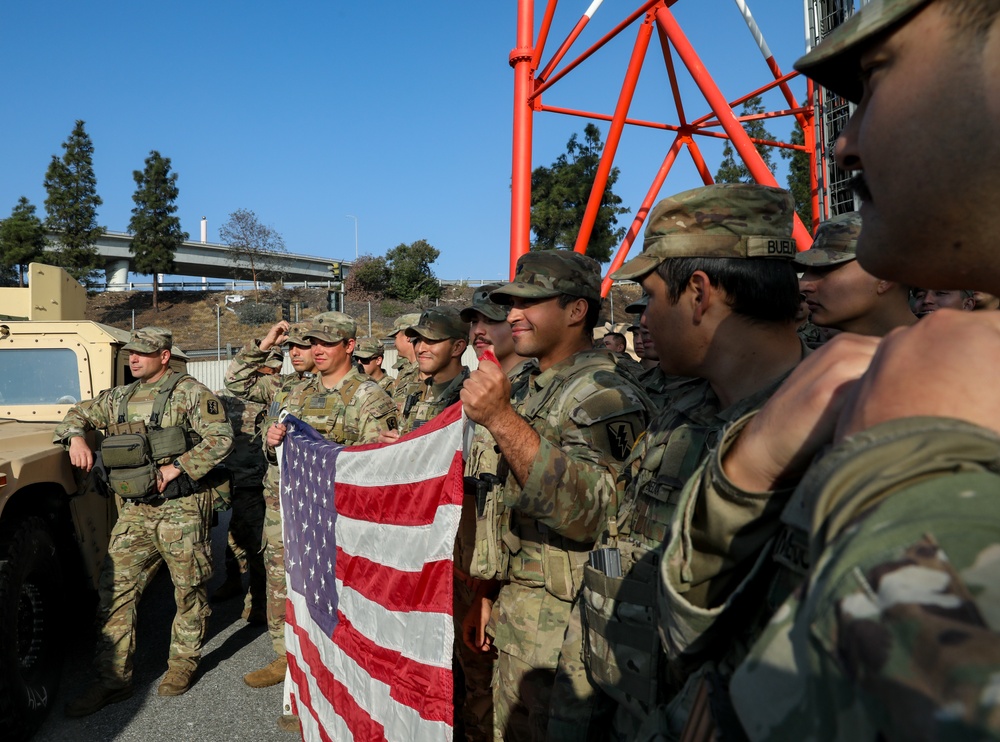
{"x":159,"y":404}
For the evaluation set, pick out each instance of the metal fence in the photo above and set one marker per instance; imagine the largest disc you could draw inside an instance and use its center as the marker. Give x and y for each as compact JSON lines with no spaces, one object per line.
{"x":213,"y":373}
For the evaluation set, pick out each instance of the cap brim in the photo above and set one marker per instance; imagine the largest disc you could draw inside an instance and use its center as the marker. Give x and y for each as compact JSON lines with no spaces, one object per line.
{"x":506,"y":293}
{"x":141,"y":348}
{"x":323,"y":336}
{"x":834,"y":62}
{"x":637,"y":267}
{"x":820,"y":258}
{"x":497,"y":314}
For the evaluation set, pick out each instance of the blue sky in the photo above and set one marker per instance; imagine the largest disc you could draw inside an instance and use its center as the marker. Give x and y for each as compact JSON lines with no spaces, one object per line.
{"x":397,"y":113}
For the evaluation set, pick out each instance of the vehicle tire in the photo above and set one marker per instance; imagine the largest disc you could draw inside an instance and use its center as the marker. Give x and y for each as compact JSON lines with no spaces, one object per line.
{"x":30,"y":635}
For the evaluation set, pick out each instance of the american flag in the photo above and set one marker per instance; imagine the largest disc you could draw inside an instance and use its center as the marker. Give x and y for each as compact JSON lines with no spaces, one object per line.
{"x":369,"y":540}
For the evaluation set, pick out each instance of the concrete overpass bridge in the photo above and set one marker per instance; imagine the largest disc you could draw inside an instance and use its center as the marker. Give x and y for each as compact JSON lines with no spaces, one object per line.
{"x":209,"y":260}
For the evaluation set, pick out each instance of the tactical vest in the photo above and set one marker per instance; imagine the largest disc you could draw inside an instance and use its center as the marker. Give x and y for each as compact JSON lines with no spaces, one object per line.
{"x":417,"y":409}
{"x":621,"y":643}
{"x":539,"y":557}
{"x":133,"y":450}
{"x":330,"y":414}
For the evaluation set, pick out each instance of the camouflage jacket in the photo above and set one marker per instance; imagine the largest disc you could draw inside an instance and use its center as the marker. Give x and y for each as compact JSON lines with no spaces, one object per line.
{"x":896,"y":632}
{"x":254,"y":376}
{"x":630,"y":365}
{"x":424,"y":400}
{"x":386,"y":384}
{"x":354,"y":411}
{"x":663,"y":459}
{"x":191,"y":406}
{"x":587,"y":416}
{"x":406,"y":373}
{"x":246,"y":462}
{"x":660,"y":387}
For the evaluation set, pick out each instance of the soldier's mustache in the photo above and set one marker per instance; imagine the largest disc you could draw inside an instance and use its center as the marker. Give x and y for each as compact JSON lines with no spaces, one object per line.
{"x":860,"y":187}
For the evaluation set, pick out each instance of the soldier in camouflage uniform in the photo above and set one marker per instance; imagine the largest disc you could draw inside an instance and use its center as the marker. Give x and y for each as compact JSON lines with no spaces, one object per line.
{"x":563,"y":442}
{"x":616,"y":343}
{"x":165,"y":513}
{"x":369,"y":353}
{"x":839,"y":292}
{"x":406,"y":364}
{"x":658,"y":385}
{"x":252,"y":378}
{"x":477,"y":546}
{"x":344,"y":406}
{"x":246,"y":466}
{"x":891,"y":630}
{"x":722,"y":297}
{"x":439,"y":338}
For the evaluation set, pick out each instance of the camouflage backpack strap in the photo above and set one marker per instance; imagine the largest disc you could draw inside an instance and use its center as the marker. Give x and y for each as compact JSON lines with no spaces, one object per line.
{"x":450,"y":395}
{"x":348,"y":390}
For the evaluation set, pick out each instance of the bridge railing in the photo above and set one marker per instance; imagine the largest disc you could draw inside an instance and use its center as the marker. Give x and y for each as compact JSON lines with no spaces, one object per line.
{"x":198,"y":285}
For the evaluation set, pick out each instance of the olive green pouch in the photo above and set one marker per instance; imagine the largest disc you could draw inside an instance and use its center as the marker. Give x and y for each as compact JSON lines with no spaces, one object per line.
{"x":127,"y":450}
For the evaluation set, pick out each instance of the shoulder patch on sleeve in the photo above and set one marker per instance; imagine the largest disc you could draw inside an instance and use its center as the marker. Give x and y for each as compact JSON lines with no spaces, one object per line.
{"x":211,"y":408}
{"x":605,"y":404}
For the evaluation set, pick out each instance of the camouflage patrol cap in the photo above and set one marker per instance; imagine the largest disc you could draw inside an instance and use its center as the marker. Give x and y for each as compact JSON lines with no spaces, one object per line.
{"x":439,"y":323}
{"x":149,"y":340}
{"x":369,"y":348}
{"x":331,"y":327}
{"x":639,"y":305}
{"x":484,"y":305}
{"x":836,"y":242}
{"x":547,"y":273}
{"x":835,"y":62}
{"x":727,"y":220}
{"x":403,"y":322}
{"x":296,"y":334}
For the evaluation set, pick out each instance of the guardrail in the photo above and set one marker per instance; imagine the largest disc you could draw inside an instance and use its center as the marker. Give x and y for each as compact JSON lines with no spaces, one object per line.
{"x":211,"y":285}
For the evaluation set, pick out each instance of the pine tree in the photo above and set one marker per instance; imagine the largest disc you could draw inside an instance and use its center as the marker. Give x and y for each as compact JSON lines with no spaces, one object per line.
{"x":559,"y":196}
{"x":22,"y":239}
{"x":156,"y":231}
{"x":733,"y":171}
{"x":71,"y":206}
{"x":798,"y":177}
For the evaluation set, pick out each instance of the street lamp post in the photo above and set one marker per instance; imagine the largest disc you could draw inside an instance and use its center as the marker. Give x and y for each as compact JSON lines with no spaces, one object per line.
{"x":351,"y":216}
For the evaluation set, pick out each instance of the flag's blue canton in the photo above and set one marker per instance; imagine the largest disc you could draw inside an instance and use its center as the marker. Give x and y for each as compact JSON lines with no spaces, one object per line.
{"x":307,"y":478}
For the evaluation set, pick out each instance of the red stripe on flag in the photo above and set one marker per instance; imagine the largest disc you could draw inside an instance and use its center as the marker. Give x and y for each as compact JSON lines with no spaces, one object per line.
{"x":358,"y":720}
{"x":424,"y":688}
{"x":304,"y":699}
{"x":396,"y":590}
{"x":407,"y":504}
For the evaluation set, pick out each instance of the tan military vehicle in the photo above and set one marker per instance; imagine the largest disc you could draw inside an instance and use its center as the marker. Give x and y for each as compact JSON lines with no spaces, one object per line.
{"x":54,"y":521}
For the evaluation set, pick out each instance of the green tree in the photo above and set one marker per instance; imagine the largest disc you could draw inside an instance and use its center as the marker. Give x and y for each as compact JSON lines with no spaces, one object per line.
{"x":156,"y":231}
{"x":559,"y":197}
{"x":71,"y":206}
{"x":22,"y":239}
{"x":410,"y":274}
{"x":253,"y":246}
{"x":798,"y":176}
{"x":368,"y":279}
{"x":735,"y":171}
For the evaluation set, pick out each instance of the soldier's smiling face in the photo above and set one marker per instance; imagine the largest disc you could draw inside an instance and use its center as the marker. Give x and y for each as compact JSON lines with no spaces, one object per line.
{"x":433,"y":356}
{"x":334,"y":357}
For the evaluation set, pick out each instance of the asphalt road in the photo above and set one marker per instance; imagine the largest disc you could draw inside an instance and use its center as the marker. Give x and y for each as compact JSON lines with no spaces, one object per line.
{"x":218,"y":707}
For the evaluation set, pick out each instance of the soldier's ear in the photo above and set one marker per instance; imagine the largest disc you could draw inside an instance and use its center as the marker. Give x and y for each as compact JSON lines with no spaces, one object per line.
{"x":459,"y":347}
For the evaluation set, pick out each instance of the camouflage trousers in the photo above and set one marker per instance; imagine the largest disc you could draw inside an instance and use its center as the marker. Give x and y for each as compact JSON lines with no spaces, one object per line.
{"x":541,"y":690}
{"x":274,"y":568}
{"x":244,"y":542}
{"x":477,"y":670}
{"x":176,"y":532}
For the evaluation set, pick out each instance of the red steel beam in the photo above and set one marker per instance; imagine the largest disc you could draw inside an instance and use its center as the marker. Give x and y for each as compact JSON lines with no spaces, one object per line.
{"x":520,"y":181}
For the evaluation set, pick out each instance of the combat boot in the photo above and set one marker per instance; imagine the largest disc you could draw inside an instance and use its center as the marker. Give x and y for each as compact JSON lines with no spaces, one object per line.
{"x":267,"y":676}
{"x":95,"y":698}
{"x":177,"y":682}
{"x":289,"y":723}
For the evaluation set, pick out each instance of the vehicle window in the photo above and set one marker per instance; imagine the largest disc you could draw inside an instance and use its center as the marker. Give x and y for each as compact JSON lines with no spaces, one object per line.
{"x":39,"y":376}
